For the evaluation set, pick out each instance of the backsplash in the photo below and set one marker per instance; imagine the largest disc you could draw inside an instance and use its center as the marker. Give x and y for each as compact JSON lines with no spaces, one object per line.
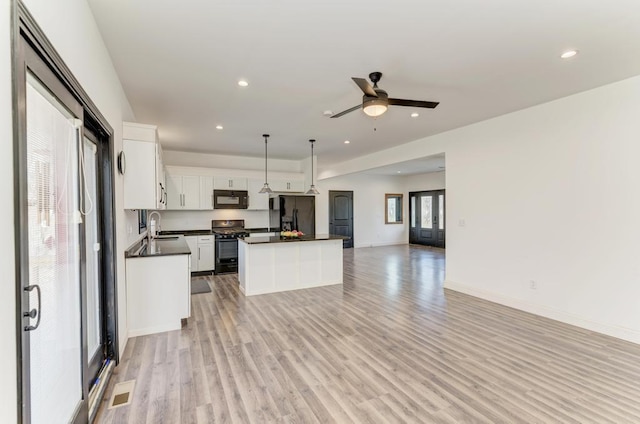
{"x":200,"y":220}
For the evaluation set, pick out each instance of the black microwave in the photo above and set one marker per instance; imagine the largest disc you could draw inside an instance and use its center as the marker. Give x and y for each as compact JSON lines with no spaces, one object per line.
{"x":230,"y":199}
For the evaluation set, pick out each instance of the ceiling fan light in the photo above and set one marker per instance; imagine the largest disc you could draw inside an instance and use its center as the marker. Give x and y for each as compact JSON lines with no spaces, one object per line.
{"x":375,"y":107}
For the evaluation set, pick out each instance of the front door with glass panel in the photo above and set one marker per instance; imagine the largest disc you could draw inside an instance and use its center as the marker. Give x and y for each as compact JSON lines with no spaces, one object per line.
{"x":427,"y":218}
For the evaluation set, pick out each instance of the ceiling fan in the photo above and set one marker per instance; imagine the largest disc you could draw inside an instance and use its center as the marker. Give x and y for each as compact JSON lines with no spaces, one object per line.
{"x":376,"y":101}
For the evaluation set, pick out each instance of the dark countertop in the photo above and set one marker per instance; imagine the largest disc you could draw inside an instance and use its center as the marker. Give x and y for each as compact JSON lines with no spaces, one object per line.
{"x":161,"y":246}
{"x":278,"y":239}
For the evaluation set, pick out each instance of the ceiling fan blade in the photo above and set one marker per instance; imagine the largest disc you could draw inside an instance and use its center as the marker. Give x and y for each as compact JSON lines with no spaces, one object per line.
{"x":413,"y":103}
{"x":365,"y":86}
{"x":344,"y":112}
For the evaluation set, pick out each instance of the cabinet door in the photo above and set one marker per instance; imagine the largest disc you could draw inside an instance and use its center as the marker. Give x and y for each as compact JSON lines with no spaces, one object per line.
{"x":278,"y":185}
{"x":190,"y":192}
{"x":257,"y":201}
{"x":222,"y":183}
{"x":206,"y":260}
{"x":139,"y":178}
{"x":160,"y":181}
{"x":238,"y":183}
{"x":229,"y":183}
{"x":296,"y":186}
{"x":206,"y":193}
{"x":174,"y":191}
{"x":192,"y":241}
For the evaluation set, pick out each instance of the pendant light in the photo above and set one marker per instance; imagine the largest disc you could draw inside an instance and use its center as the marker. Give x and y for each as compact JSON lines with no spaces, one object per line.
{"x":265,"y":187}
{"x":312,"y":189}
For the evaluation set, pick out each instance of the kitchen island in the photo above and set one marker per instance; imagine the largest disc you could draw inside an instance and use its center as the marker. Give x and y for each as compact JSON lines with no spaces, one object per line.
{"x":158,"y":285}
{"x":276,"y":264}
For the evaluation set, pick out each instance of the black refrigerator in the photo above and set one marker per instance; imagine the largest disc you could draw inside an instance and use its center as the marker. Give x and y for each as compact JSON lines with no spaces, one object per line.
{"x":293,"y":213}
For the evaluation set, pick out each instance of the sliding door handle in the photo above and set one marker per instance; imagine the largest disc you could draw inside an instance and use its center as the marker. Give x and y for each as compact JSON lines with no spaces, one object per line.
{"x":35,"y":312}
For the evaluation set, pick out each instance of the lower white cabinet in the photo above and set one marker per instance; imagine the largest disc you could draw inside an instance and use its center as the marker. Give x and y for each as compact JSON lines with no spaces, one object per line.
{"x":206,"y":253}
{"x":202,"y":253}
{"x":158,"y":293}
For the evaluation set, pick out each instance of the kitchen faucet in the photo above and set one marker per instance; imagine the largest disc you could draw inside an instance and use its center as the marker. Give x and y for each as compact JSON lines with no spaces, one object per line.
{"x":153,"y":228}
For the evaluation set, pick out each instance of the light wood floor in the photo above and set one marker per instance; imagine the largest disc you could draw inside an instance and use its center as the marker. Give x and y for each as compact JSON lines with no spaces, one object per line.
{"x":388,"y":346}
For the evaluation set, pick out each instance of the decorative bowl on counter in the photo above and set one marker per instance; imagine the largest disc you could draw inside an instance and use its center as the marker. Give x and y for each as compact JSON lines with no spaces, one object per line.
{"x":291,"y":234}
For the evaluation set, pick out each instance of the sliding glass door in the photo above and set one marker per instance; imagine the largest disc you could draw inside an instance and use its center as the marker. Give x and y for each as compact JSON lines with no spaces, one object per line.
{"x":65,"y":238}
{"x":54,"y":323}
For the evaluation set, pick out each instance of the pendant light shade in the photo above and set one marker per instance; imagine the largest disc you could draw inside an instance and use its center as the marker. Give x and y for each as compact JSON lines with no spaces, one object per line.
{"x":312,"y":189}
{"x":265,"y":187}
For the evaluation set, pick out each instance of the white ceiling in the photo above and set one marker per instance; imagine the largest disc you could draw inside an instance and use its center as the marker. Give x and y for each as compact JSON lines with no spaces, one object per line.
{"x":434,"y":163}
{"x":179,"y":63}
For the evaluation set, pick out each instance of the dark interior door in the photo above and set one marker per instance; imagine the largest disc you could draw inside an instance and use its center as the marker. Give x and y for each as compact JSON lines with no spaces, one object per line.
{"x":341,"y":215}
{"x":427,"y":218}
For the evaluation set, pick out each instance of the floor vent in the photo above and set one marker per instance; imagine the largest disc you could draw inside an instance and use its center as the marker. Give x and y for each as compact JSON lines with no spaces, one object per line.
{"x":122,"y":394}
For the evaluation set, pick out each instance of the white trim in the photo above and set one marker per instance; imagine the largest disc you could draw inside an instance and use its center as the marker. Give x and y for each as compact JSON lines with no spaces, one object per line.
{"x":551,"y":313}
{"x":156,"y":329}
{"x":389,"y":243}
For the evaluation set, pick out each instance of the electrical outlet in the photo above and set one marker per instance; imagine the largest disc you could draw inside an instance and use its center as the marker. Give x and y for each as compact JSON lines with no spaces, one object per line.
{"x":461,"y":223}
{"x":533,"y":285}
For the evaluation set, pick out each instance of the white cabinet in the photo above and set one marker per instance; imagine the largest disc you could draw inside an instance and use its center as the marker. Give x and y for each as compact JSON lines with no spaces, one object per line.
{"x":192,"y":241}
{"x":257,"y":201}
{"x":287,"y":185}
{"x":229,"y":183}
{"x":202,"y":252}
{"x":158,"y":293}
{"x":206,"y":253}
{"x":183,"y":192}
{"x":144,"y":186}
{"x":206,"y":193}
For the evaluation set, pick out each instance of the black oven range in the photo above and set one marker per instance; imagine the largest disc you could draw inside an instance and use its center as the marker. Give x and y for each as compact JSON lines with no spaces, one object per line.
{"x":226,"y":233}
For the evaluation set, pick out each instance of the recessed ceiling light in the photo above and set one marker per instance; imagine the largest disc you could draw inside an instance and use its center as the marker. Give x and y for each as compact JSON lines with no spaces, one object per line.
{"x":399,"y":172}
{"x":415,"y":114}
{"x":219,"y":127}
{"x":327,"y":113}
{"x":347,"y":142}
{"x":243,"y":83}
{"x":568,"y":54}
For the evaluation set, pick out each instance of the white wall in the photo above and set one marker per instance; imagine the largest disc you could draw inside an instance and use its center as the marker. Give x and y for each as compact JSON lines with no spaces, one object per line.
{"x":549,"y":194}
{"x":369,"y":228}
{"x":176,"y":158}
{"x":201,"y":220}
{"x":70,"y":27}
{"x":425,"y":182}
{"x":8,"y":395}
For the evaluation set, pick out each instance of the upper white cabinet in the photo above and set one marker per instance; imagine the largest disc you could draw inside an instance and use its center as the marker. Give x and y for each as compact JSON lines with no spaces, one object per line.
{"x":257,"y":201}
{"x":206,"y":192}
{"x":287,"y":185}
{"x":183,"y":192}
{"x":229,"y":183}
{"x":144,"y":185}
{"x":189,"y":192}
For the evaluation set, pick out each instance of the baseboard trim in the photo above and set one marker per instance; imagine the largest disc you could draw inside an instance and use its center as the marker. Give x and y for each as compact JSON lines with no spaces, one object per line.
{"x":393,"y":243}
{"x":618,"y":332}
{"x":155,"y":329}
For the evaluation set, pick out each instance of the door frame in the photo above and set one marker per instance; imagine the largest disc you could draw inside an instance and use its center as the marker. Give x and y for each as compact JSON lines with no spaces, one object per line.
{"x":28,"y":39}
{"x":438,"y":192}
{"x":346,"y":243}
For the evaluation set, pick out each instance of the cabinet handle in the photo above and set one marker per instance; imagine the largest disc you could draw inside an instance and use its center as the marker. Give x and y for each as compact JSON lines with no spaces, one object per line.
{"x":198,"y":253}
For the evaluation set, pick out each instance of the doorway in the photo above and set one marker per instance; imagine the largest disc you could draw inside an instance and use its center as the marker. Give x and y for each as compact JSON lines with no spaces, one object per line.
{"x":65,"y":236}
{"x":341,"y":215}
{"x":427,"y":218}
